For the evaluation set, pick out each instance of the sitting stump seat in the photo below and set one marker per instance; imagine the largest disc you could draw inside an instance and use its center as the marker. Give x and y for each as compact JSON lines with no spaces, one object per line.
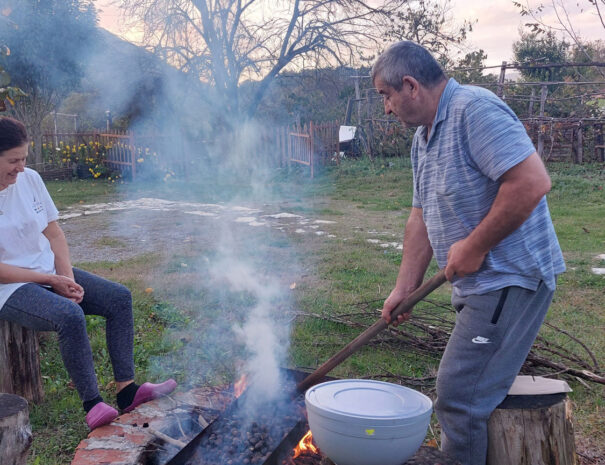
{"x":533,"y":425}
{"x":20,"y":362}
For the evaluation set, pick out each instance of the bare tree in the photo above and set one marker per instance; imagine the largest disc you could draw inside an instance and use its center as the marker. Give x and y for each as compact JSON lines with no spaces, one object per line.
{"x":226,"y":42}
{"x":431,"y":24}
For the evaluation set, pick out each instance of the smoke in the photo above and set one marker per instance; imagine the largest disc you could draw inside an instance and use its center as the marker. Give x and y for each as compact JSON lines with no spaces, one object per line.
{"x":229,"y":280}
{"x":264,"y":352}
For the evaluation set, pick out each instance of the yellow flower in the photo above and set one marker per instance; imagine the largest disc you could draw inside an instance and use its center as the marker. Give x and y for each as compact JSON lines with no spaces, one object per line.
{"x":140,"y":160}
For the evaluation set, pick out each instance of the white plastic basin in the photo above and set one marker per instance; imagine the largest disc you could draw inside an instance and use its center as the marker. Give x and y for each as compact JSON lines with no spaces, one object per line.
{"x":366,"y":422}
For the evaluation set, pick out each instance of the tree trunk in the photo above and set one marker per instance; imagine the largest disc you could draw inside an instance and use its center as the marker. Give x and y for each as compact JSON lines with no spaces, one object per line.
{"x":20,"y":362}
{"x":532,"y":430}
{"x":15,"y":432}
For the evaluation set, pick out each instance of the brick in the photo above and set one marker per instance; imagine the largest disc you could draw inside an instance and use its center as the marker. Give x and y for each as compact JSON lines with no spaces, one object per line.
{"x":104,"y":457}
{"x":122,"y":443}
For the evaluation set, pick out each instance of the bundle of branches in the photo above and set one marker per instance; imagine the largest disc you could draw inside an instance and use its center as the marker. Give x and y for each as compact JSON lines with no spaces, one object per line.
{"x":555,"y":352}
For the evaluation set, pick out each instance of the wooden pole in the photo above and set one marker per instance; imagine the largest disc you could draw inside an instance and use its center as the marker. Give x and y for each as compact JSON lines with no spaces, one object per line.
{"x":501,"y":78}
{"x":133,"y":155}
{"x":404,"y":307}
{"x":579,"y":144}
{"x":358,"y":99}
{"x":532,"y":99}
{"x":599,"y":148}
{"x":532,"y":430}
{"x":15,"y":431}
{"x":311,"y":146}
{"x":20,"y":362}
{"x":543,"y":93}
{"x":370,"y":133}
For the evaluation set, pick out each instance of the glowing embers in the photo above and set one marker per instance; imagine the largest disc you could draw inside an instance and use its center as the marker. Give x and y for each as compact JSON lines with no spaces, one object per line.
{"x":240,"y":386}
{"x":245,"y":437}
{"x":306,"y":448}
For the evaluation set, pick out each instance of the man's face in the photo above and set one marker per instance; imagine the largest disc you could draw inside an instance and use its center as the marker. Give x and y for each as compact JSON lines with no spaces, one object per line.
{"x":12,"y":162}
{"x":401,"y":103}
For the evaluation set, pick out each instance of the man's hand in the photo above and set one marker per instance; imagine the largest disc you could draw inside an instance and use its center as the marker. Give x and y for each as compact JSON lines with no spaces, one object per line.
{"x":66,"y":287}
{"x":462,"y":259}
{"x":395,"y":298}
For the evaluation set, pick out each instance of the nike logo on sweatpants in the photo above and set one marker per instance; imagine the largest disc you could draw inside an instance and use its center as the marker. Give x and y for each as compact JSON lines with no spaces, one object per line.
{"x":481,"y":340}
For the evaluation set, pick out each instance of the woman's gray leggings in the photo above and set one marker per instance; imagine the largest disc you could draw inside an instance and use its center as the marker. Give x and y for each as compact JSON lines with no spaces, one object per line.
{"x":39,"y":308}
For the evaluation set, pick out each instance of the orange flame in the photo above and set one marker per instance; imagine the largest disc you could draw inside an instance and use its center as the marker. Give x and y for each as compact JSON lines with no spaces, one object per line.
{"x":305,"y":445}
{"x":240,"y":386}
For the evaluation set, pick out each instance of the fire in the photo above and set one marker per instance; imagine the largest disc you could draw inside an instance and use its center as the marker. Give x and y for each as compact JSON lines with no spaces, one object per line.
{"x":240,"y":385}
{"x":305,"y":445}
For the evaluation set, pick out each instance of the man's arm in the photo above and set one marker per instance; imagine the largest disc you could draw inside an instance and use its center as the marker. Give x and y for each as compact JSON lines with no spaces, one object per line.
{"x":521,"y":189}
{"x":417,"y":253}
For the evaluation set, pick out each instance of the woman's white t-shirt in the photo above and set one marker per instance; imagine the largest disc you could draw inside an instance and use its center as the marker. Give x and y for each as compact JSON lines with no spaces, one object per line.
{"x":26,"y":211}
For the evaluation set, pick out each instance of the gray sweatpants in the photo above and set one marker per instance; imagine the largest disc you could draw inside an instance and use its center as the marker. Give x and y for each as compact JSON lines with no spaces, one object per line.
{"x":490,"y":341}
{"x":39,"y":308}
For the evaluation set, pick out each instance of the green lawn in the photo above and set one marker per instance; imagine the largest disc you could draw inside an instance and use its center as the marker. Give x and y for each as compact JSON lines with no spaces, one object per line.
{"x":344,"y":277}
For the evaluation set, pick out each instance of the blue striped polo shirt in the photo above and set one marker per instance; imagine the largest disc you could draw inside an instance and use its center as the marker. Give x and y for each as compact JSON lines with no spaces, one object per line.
{"x":475,"y":139}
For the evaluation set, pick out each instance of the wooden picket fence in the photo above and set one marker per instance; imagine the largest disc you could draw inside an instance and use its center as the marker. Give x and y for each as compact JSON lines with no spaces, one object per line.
{"x":127,"y":152}
{"x":310,"y":144}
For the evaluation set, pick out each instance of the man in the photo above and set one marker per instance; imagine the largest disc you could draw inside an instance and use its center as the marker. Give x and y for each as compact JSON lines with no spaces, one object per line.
{"x":479,"y":207}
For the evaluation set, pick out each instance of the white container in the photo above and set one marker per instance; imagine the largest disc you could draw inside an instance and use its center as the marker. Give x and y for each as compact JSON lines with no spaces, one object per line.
{"x":366,"y":422}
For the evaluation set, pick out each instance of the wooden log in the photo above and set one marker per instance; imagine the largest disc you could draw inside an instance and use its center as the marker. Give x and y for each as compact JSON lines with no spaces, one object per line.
{"x":15,"y":432}
{"x":532,"y":430}
{"x":20,"y":362}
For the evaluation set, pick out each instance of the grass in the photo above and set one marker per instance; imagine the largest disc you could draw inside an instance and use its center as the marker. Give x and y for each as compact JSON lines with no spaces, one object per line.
{"x":353,"y":273}
{"x":67,"y":193}
{"x":345,"y":276}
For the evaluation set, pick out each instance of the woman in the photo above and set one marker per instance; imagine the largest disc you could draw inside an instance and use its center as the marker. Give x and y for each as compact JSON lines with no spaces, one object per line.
{"x":40,"y":290}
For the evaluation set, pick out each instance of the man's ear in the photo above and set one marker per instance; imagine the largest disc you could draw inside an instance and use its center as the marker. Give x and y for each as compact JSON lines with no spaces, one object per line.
{"x":413,"y":84}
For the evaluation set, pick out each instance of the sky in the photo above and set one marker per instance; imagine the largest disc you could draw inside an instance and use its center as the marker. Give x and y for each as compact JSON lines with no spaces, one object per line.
{"x":496,"y":27}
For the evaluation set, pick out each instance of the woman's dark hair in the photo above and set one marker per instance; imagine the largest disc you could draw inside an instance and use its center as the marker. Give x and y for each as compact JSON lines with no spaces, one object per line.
{"x":12,"y":134}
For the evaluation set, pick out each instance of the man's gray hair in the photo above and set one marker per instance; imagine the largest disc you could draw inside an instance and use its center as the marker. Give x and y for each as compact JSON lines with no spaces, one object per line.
{"x":407,"y":58}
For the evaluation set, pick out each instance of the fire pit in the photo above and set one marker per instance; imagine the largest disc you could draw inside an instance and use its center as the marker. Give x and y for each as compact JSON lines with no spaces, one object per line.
{"x":240,"y":436}
{"x":268,"y":437}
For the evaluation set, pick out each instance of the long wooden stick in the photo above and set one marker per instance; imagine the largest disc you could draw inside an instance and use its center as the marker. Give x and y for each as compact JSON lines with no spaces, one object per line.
{"x":425,"y":289}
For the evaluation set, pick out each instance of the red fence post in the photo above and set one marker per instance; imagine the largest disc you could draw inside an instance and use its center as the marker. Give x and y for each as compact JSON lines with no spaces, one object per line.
{"x":133,"y":155}
{"x":311,"y":146}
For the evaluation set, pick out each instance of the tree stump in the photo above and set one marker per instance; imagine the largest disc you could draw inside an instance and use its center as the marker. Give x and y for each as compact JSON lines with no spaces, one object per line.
{"x":15,"y":432}
{"x":20,"y":362}
{"x":532,"y":430}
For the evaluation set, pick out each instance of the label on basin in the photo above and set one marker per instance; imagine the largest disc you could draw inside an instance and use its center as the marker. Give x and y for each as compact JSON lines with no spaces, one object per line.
{"x":368,"y":399}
